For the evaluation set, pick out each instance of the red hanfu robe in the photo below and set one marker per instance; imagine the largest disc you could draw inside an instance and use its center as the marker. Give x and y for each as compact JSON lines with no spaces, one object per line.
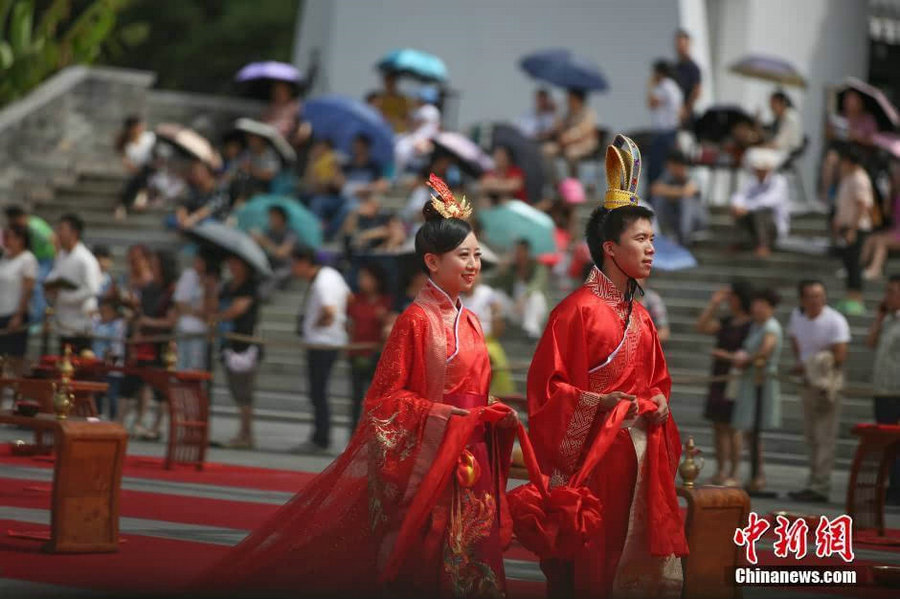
{"x":395,"y":514}
{"x":586,"y":351}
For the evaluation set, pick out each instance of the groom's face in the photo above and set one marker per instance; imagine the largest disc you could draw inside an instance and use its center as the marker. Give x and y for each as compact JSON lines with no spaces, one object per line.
{"x":634,"y":251}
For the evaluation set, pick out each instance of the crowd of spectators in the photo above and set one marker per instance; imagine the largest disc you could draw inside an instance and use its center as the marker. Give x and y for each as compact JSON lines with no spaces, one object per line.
{"x":360,"y":283}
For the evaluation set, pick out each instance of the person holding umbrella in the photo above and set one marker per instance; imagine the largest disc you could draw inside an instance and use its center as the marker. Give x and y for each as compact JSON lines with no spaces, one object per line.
{"x":279,"y":83}
{"x":574,"y":137}
{"x":787,"y":132}
{"x":238,"y":314}
{"x":859,"y":127}
{"x":283,"y":109}
{"x":393,"y":105}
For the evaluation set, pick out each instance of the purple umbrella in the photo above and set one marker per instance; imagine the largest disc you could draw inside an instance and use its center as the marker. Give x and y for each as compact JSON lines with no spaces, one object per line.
{"x":769,"y":68}
{"x":875,"y":101}
{"x":889,"y":142}
{"x":256,"y":78}
{"x":270,"y":69}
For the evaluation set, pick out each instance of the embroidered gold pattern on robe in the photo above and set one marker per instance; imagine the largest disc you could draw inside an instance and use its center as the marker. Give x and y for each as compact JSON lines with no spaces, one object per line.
{"x":471,"y":522}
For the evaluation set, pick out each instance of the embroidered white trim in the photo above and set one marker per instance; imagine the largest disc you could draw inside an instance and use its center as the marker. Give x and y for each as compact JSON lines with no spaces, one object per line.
{"x":459,"y":310}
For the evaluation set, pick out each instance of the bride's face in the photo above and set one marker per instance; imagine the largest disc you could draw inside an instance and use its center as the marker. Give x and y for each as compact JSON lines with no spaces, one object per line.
{"x":456,"y":271}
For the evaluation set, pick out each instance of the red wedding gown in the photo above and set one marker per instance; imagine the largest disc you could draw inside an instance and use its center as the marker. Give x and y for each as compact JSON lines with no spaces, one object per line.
{"x":399,"y":512}
{"x":585,"y":351}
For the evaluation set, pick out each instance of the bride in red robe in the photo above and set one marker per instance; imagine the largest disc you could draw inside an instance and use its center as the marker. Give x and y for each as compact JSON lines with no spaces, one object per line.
{"x":415,"y":505}
{"x":599,"y":348}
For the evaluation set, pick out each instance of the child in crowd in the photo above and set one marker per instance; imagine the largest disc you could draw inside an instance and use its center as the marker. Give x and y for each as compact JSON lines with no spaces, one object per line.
{"x":107,"y":283}
{"x":109,"y":346}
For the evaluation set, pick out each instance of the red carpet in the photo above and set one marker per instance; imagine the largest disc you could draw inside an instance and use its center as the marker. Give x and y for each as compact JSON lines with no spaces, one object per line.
{"x":143,"y":564}
{"x":156,"y":565}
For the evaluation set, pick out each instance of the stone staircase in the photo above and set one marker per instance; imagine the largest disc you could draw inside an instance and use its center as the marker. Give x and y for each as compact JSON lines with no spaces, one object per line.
{"x":282,"y":382}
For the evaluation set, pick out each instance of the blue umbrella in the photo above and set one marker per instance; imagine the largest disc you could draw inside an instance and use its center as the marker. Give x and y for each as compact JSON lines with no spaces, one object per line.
{"x":560,"y":67}
{"x":511,"y":221}
{"x":255,"y":215}
{"x":341,"y":118}
{"x":418,"y":64}
{"x":671,"y":256}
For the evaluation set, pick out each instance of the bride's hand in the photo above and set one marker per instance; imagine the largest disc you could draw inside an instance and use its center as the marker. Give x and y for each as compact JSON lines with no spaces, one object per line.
{"x":454,"y":411}
{"x":511,"y":420}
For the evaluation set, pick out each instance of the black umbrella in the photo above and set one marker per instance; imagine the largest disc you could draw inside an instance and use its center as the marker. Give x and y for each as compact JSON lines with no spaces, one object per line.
{"x":232,"y":241}
{"x":718,"y":121}
{"x":526,"y":154}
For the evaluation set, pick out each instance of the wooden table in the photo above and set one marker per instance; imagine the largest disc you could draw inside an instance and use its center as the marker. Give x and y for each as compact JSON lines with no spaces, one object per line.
{"x":713,"y":514}
{"x":87,"y":477}
{"x":41,"y":391}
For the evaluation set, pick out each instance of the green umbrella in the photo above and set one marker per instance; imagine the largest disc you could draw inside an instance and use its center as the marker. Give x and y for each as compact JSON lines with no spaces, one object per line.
{"x":513,"y":220}
{"x":255,"y":215}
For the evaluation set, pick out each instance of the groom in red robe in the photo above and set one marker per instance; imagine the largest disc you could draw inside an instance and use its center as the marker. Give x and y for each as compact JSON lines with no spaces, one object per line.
{"x":600,"y":348}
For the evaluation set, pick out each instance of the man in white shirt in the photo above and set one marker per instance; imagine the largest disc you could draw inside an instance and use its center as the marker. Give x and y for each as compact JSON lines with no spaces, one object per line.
{"x":819,"y":336}
{"x":665,"y":99}
{"x":73,"y":285}
{"x":540,"y":122}
{"x":760,"y":208}
{"x":323,"y":327}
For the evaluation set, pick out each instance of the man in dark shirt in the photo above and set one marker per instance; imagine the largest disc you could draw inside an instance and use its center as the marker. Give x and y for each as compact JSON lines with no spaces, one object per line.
{"x":687,"y":74}
{"x":205,"y":199}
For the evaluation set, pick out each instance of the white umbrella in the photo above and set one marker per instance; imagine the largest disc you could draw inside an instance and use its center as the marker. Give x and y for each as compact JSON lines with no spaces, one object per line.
{"x":270,"y":134}
{"x":190,"y":142}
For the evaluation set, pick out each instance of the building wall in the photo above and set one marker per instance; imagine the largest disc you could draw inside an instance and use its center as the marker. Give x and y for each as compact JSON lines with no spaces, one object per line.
{"x":481,"y":43}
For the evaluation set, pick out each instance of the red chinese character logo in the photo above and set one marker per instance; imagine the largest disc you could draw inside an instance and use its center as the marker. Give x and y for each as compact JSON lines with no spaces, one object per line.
{"x":756,"y":528}
{"x":791,"y":538}
{"x":835,"y":536}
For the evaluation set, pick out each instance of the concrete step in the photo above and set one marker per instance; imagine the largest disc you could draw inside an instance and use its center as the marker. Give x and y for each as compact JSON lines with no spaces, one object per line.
{"x":781,"y":447}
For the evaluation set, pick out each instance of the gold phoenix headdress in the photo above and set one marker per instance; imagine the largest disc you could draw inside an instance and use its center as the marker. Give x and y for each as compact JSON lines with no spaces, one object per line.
{"x":623,"y":173}
{"x":445,"y":202}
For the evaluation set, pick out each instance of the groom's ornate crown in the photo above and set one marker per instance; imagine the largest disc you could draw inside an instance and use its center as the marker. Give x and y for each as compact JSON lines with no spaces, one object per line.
{"x":623,"y":173}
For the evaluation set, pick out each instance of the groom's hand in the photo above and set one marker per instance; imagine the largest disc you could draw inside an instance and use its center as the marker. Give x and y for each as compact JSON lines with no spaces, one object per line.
{"x":662,"y":409}
{"x":608,"y":401}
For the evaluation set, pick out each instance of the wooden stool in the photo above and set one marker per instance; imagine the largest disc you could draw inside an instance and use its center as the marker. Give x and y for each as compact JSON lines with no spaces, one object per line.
{"x":879,"y":445}
{"x":713,"y":514}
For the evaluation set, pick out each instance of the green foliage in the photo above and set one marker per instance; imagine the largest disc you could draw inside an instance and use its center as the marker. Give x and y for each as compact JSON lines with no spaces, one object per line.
{"x":63,"y":35}
{"x":198,"y":45}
